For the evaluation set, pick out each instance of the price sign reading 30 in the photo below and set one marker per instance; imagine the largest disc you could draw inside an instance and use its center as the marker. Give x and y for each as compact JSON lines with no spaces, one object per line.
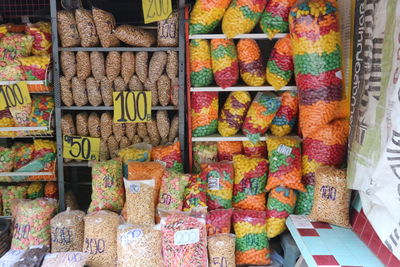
{"x":132,"y":106}
{"x":14,"y":95}
{"x":80,"y":147}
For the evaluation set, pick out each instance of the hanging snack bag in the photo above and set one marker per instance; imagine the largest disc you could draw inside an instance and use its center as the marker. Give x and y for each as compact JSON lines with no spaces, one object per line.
{"x":250,"y":181}
{"x":140,"y":201}
{"x":255,"y":150}
{"x":32,"y":223}
{"x":204,"y":113}
{"x":184,"y":240}
{"x":260,"y":115}
{"x":200,"y":63}
{"x":281,"y":203}
{"x":252,"y":246}
{"x":11,"y":193}
{"x":242,"y":16}
{"x":107,"y":186}
{"x":219,"y":221}
{"x":280,"y":63}
{"x":41,"y":33}
{"x":35,"y":67}
{"x":195,"y":193}
{"x":139,"y":245}
{"x":233,"y":113}
{"x":169,"y":156}
{"x":204,"y":152}
{"x":221,"y":250}
{"x":274,"y":19}
{"x":7,"y":157}
{"x":224,"y":61}
{"x":206,"y":15}
{"x":286,"y":117}
{"x":172,"y":191}
{"x":331,"y":197}
{"x":250,"y":62}
{"x":284,"y":155}
{"x":227,"y":149}
{"x":219,"y":177}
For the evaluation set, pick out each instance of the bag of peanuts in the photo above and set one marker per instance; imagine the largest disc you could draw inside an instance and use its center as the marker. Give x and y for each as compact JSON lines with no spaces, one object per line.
{"x":281,"y":203}
{"x":252,"y":246}
{"x":169,"y":155}
{"x":331,"y":197}
{"x":280,"y":63}
{"x":219,"y":221}
{"x":227,"y":149}
{"x":200,"y":63}
{"x":286,"y":116}
{"x":225,"y":64}
{"x":172,"y":191}
{"x":195,"y":193}
{"x":255,"y":150}
{"x":250,"y":62}
{"x":134,"y":36}
{"x":284,"y":155}
{"x":249,"y":183}
{"x":260,"y":115}
{"x":242,"y":16}
{"x":221,"y":250}
{"x":107,"y":186}
{"x":204,"y":113}
{"x":233,"y":113}
{"x":67,"y":29}
{"x":206,"y":15}
{"x":204,"y":152}
{"x":274,"y":19}
{"x":167,"y":30}
{"x":219,"y":177}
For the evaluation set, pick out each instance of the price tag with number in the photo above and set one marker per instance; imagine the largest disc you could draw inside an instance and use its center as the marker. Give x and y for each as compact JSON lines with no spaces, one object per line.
{"x":132,"y":106}
{"x":80,"y":147}
{"x":14,"y":95}
{"x":156,"y":10}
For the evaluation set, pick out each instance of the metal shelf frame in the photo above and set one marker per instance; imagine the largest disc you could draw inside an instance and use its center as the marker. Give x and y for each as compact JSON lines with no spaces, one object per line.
{"x":59,"y":108}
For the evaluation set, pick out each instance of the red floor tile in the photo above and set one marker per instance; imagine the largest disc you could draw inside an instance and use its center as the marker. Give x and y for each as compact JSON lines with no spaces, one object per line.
{"x":321,"y":225}
{"x":394,"y":262}
{"x":375,"y":243}
{"x":367,"y":233}
{"x":325,"y":260}
{"x":385,"y":255}
{"x":359,"y":224}
{"x":308,"y":232}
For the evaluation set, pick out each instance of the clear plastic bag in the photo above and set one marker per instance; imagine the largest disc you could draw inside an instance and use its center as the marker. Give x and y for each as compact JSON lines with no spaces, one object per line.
{"x":204,"y":113}
{"x":204,"y":152}
{"x":140,"y":201}
{"x":224,"y":61}
{"x":221,"y":250}
{"x":70,"y":259}
{"x":228,"y":149}
{"x":169,"y":155}
{"x":195,"y":194}
{"x":200,"y":63}
{"x":255,"y":150}
{"x":10,"y":193}
{"x":219,"y":221}
{"x":250,"y":62}
{"x":286,"y":117}
{"x":206,"y":15}
{"x":172,"y":191}
{"x":274,"y":19}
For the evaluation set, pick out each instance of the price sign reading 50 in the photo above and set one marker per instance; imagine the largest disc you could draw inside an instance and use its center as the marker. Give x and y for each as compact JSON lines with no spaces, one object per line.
{"x":14,"y":95}
{"x":132,"y":106}
{"x":79,"y":147}
{"x":155,"y":10}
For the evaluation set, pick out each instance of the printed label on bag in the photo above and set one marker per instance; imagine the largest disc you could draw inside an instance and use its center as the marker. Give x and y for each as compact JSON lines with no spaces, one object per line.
{"x":134,"y":188}
{"x":285,"y":150}
{"x":186,"y":237}
{"x":131,"y":235}
{"x":213,"y":183}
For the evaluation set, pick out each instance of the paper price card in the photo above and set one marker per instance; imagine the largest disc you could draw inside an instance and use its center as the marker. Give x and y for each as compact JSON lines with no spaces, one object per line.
{"x":14,"y":95}
{"x":132,"y":106}
{"x":186,"y":237}
{"x":156,"y":10}
{"x":80,"y":147}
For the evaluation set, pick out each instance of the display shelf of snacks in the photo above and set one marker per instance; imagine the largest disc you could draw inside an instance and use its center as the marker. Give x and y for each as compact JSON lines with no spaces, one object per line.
{"x":256,"y":36}
{"x":218,"y":137}
{"x":112,"y":108}
{"x":119,"y":49}
{"x":241,"y":88}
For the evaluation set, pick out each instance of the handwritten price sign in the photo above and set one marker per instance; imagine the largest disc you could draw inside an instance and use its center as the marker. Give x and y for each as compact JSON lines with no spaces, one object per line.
{"x":132,"y":106}
{"x":14,"y":95}
{"x":156,"y":10}
{"x":79,"y":147}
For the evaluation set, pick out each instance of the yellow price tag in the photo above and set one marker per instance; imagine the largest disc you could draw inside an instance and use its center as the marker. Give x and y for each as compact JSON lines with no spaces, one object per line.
{"x":156,"y":10}
{"x":134,"y":106}
{"x":80,"y":147}
{"x":14,"y":95}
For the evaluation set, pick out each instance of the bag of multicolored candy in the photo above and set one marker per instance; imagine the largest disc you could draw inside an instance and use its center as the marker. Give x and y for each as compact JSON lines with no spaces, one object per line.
{"x":169,"y":155}
{"x":224,"y":61}
{"x":204,"y":113}
{"x":24,"y":153}
{"x":42,"y":109}
{"x":204,"y":152}
{"x":7,"y":157}
{"x":206,"y":15}
{"x":219,"y":221}
{"x":195,"y":193}
{"x":6,"y":120}
{"x":41,"y":33}
{"x":200,"y":63}
{"x":172,"y":191}
{"x":227,"y":149}
{"x":18,"y":44}
{"x":274,"y":19}
{"x":286,"y":117}
{"x":255,"y":150}
{"x":35,"y":67}
{"x":250,"y":62}
{"x":11,"y":193}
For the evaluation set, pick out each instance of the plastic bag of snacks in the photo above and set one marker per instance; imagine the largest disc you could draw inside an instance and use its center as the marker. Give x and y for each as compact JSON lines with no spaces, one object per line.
{"x":221,"y":250}
{"x":305,"y":201}
{"x":172,"y":191}
{"x":70,"y":259}
{"x":11,"y":71}
{"x":35,"y":190}
{"x":184,"y":240}
{"x":219,"y":177}
{"x":33,"y":256}
{"x":284,"y":155}
{"x":41,"y":33}
{"x":107,"y":186}
{"x":22,"y":116}
{"x":260,"y":115}
{"x":204,"y":152}
{"x":24,"y":153}
{"x":252,"y":246}
{"x":227,"y":149}
{"x":11,"y":193}
{"x":35,"y":67}
{"x":7,"y":157}
{"x":139,"y":246}
{"x":274,"y":19}
{"x":250,"y":62}
{"x":331,"y":197}
{"x":3,"y":30}
{"x":280,"y":63}
{"x":20,"y":45}
{"x":225,"y":64}
{"x":11,"y":256}
{"x":195,"y":193}
{"x":101,"y":238}
{"x":140,"y":201}
{"x":206,"y":15}
{"x":45,"y":151}
{"x":140,"y":152}
{"x":6,"y":120}
{"x":204,"y":113}
{"x":169,"y":155}
{"x":32,"y":223}
{"x":42,"y":108}
{"x":250,"y":181}
{"x":255,"y":150}
{"x":233,"y":113}
{"x":219,"y":221}
{"x":242,"y":16}
{"x":200,"y":63}
{"x":286,"y":117}
{"x":67,"y":231}
{"x":281,"y":203}
{"x":51,"y":190}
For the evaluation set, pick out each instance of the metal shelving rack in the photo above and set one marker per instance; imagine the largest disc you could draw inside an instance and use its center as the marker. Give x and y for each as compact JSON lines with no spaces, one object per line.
{"x":59,"y":108}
